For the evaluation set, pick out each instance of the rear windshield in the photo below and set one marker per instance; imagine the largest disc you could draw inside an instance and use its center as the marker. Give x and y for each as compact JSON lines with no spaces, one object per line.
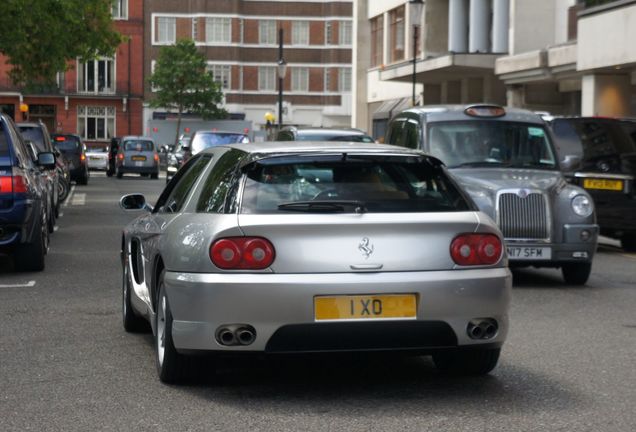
{"x":4,"y":144}
{"x":201,"y":141}
{"x":97,"y":150}
{"x":376,"y":184}
{"x":34,"y":134}
{"x":138,"y":145}
{"x":66,"y":143}
{"x":490,"y":143}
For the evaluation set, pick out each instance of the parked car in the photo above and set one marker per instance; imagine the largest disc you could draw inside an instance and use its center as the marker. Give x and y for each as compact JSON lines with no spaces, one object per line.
{"x":24,"y":210}
{"x":315,"y":247}
{"x":295,"y":133}
{"x":38,"y":135}
{"x":137,"y":154}
{"x":606,"y":149}
{"x":64,"y":174}
{"x":74,"y":151}
{"x":175,"y":157}
{"x":97,"y":157}
{"x":113,"y":149}
{"x":506,"y":160}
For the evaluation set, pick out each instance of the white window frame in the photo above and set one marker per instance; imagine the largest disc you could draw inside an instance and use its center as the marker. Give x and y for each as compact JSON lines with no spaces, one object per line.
{"x":344,"y":80}
{"x":300,"y":33}
{"x":328,"y":33}
{"x":84,"y":80}
{"x":195,"y":29}
{"x":218,"y":30}
{"x":300,"y":79}
{"x":221,"y":74}
{"x":267,"y":32}
{"x":166,"y":30}
{"x":327,"y":80}
{"x":96,"y":114}
{"x":345,"y":33}
{"x":119,"y":10}
{"x":267,"y":77}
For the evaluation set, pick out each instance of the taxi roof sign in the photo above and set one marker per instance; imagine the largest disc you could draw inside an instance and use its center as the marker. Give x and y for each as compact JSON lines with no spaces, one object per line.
{"x":485,"y":111}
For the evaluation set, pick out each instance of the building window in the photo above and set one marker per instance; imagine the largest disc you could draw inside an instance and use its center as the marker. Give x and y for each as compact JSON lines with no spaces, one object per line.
{"x":345,"y":33}
{"x":300,"y":79}
{"x":327,"y":80}
{"x":96,"y":122}
{"x":267,"y":78}
{"x":96,"y":76}
{"x":195,"y":29}
{"x":328,"y":33}
{"x":377,"y":40}
{"x":267,"y":32}
{"x":221,"y":75}
{"x":218,"y":30}
{"x":396,"y":42}
{"x":120,"y":9}
{"x":300,"y":33}
{"x":166,"y":30}
{"x":344,"y":79}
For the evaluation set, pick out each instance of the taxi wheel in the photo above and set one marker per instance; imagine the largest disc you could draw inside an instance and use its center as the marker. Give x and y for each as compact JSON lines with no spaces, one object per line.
{"x":576,"y":273}
{"x":172,"y":367}
{"x":467,"y":362}
{"x":628,"y":242}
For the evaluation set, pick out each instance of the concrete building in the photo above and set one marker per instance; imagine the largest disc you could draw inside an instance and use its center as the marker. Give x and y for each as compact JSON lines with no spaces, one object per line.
{"x":454,"y":43}
{"x":567,"y":57}
{"x":240,"y":41}
{"x":98,"y":99}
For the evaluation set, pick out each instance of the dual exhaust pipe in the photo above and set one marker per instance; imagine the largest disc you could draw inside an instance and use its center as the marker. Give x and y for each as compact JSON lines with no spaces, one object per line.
{"x":235,"y":334}
{"x":482,"y":328}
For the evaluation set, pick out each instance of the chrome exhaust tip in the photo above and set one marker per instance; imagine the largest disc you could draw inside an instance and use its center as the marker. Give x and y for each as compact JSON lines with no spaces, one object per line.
{"x":235,"y":334}
{"x":482,"y":328}
{"x":245,"y":335}
{"x":225,"y":336}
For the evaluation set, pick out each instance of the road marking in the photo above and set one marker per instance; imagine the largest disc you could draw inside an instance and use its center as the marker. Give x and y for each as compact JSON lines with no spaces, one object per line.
{"x":69,"y":197}
{"x":28,"y":284}
{"x":79,"y":199}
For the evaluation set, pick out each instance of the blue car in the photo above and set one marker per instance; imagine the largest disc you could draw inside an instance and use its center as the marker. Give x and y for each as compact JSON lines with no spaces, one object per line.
{"x":23,"y":206}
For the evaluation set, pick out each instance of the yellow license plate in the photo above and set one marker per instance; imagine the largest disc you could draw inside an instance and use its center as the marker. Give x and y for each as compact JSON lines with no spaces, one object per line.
{"x":362,"y":307}
{"x":139,"y":158}
{"x":605,"y":184}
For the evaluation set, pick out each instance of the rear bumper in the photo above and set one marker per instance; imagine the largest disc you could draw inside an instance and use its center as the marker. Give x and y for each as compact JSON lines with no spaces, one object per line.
{"x":139,"y":170}
{"x":17,"y":223}
{"x":281,"y":309}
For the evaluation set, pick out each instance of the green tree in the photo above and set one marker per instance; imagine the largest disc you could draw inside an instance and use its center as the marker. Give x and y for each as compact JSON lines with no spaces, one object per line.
{"x":39,"y":37}
{"x":182,"y":82}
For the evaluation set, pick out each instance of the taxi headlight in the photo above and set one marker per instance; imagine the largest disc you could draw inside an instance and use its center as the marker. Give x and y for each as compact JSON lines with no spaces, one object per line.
{"x":582,"y":205}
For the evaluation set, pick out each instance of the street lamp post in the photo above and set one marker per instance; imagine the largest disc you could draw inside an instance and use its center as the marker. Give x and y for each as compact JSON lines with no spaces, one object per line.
{"x":282,"y":71}
{"x":415,"y":13}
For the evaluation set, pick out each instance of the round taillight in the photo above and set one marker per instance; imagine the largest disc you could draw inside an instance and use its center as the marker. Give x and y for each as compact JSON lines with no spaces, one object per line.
{"x":258,"y":253}
{"x":476,"y":249}
{"x":225,"y":254}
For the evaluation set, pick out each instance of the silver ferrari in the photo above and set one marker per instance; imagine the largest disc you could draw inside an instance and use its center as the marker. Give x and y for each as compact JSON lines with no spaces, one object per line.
{"x":300,"y":247}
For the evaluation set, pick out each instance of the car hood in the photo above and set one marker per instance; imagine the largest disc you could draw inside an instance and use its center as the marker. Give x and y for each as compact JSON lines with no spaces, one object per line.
{"x":483,"y":184}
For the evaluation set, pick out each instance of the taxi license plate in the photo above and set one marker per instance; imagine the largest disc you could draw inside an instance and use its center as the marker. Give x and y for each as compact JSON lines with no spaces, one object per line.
{"x":139,"y":158}
{"x":604,"y":184}
{"x":529,"y":253}
{"x":364,"y":307}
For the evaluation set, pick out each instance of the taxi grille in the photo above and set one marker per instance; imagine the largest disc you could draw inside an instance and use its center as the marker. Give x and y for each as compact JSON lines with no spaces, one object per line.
{"x":523,"y":218}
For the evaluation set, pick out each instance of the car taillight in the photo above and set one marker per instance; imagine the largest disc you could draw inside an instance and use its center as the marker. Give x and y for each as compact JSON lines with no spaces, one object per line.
{"x":6,"y":184}
{"x":14,"y":183}
{"x":82,"y":158}
{"x":242,"y":253}
{"x":156,"y":158}
{"x":120,"y":156}
{"x":476,"y":249}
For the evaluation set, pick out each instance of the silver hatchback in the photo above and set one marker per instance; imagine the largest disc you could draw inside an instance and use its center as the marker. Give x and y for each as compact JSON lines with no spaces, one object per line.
{"x":315,"y":247}
{"x":137,"y":155}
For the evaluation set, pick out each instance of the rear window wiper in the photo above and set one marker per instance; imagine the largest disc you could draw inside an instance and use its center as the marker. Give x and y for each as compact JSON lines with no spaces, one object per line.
{"x":325,"y":206}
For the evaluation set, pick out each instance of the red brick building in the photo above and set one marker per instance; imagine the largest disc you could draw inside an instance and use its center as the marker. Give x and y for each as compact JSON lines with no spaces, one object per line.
{"x":99,"y":99}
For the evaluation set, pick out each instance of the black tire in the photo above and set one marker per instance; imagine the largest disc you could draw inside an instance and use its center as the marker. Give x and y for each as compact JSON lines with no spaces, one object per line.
{"x":576,"y":273}
{"x":119,"y":174}
{"x":83,"y":180}
{"x":154,"y":176}
{"x":132,"y":322}
{"x":30,"y":256}
{"x":172,"y":367}
{"x":63,"y":188}
{"x":628,"y":242}
{"x":51,"y":221}
{"x":477,"y":361}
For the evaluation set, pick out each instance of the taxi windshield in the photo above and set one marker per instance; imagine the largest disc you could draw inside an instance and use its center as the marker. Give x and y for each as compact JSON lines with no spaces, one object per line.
{"x":491,"y":144}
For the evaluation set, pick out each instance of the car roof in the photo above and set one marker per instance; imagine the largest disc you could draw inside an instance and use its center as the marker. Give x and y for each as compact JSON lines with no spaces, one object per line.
{"x":137,"y":137}
{"x":457,"y":112}
{"x":277,"y":147}
{"x":325,"y":131}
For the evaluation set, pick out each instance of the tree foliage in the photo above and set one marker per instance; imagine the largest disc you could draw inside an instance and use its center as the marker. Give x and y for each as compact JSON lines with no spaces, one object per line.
{"x":39,"y":37}
{"x":183,"y":83}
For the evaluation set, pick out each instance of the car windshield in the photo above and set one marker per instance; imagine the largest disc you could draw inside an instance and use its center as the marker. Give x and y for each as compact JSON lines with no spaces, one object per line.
{"x":67,"y":143}
{"x":201,"y":141}
{"x":138,"y":145}
{"x":357,"y":183}
{"x":35,"y":135}
{"x":491,"y":143}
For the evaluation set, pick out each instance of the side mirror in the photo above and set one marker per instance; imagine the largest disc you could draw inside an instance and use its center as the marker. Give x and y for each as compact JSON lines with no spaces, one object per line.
{"x":134,"y":202}
{"x":46,"y":160}
{"x":570,"y":162}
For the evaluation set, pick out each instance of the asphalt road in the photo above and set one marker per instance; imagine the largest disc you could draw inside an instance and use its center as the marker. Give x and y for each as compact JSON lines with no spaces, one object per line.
{"x":66,"y":363}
